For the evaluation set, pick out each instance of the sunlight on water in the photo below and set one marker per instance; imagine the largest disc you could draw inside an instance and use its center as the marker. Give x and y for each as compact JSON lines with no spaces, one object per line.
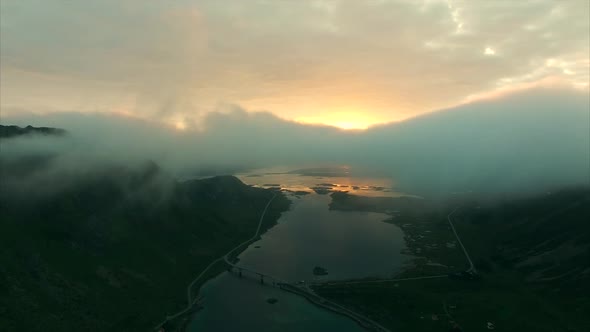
{"x":321,"y":180}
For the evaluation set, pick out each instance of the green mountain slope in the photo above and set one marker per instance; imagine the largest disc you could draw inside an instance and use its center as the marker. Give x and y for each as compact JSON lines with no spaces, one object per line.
{"x":115,"y":250}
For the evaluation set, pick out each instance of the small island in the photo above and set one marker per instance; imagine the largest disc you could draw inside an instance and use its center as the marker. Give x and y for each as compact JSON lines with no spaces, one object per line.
{"x":322,"y":190}
{"x":320,"y":271}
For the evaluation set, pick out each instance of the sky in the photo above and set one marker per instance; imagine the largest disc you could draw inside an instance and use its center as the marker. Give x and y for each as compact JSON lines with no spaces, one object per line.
{"x":344,"y":63}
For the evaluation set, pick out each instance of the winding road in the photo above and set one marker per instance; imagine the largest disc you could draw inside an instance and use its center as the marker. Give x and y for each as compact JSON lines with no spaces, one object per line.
{"x":189,"y":290}
{"x":227,"y":256}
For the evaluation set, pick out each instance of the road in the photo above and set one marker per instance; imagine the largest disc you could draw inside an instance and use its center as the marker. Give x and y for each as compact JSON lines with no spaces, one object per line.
{"x":363,"y":321}
{"x":354,"y":282}
{"x":471,"y":266}
{"x":226,"y":257}
{"x":189,"y":290}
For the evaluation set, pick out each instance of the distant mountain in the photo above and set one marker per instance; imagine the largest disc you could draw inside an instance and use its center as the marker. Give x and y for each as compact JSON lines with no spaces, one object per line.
{"x":14,"y":131}
{"x":25,"y":162}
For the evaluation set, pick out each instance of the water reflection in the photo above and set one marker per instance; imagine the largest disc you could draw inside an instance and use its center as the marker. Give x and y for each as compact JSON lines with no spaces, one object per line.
{"x":347,"y":244}
{"x":321,"y":180}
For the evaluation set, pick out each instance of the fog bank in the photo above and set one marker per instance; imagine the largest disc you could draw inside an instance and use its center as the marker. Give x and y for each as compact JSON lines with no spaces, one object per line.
{"x":526,"y":141}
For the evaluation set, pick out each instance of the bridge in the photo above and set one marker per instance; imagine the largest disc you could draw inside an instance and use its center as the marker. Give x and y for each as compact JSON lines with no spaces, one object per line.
{"x":262,"y":277}
{"x":301,"y":289}
{"x":306,"y":292}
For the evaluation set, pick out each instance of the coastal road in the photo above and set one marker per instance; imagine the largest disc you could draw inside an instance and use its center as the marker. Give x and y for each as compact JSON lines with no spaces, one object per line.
{"x":189,"y":289}
{"x":471,"y":266}
{"x":227,"y":256}
{"x":355,"y":282}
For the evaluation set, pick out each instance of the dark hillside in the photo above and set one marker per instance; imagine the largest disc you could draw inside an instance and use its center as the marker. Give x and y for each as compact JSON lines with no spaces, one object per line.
{"x":546,"y":237}
{"x":116,"y":250}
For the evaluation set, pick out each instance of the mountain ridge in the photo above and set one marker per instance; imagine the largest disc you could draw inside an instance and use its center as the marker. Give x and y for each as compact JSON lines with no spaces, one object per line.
{"x":10,"y":131}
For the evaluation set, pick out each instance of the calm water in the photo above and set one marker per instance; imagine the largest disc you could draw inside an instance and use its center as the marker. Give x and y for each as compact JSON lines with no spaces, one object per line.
{"x":347,"y":244}
{"x":234,"y":304}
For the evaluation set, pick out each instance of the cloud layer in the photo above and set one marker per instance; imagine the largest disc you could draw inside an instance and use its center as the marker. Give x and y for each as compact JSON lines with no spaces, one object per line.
{"x":346,"y":63}
{"x":526,"y":141}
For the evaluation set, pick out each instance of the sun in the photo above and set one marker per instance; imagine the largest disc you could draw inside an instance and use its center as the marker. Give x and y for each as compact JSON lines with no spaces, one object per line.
{"x":342,"y":120}
{"x":180,"y":125}
{"x":349,"y":125}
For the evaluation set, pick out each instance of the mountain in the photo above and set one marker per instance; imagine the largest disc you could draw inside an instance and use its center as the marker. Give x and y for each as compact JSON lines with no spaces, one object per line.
{"x":114,"y":250}
{"x":546,"y":237}
{"x":14,"y":131}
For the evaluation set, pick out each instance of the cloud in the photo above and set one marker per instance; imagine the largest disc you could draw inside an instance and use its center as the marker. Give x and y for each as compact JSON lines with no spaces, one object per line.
{"x":526,"y":141}
{"x":330,"y":61}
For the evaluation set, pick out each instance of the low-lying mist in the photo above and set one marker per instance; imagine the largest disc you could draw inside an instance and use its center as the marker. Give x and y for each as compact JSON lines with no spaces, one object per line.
{"x":533,"y":140}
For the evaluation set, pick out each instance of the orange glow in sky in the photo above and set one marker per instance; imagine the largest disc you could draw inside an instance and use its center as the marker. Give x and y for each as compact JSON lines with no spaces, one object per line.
{"x":342,"y":120}
{"x":332,"y":63}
